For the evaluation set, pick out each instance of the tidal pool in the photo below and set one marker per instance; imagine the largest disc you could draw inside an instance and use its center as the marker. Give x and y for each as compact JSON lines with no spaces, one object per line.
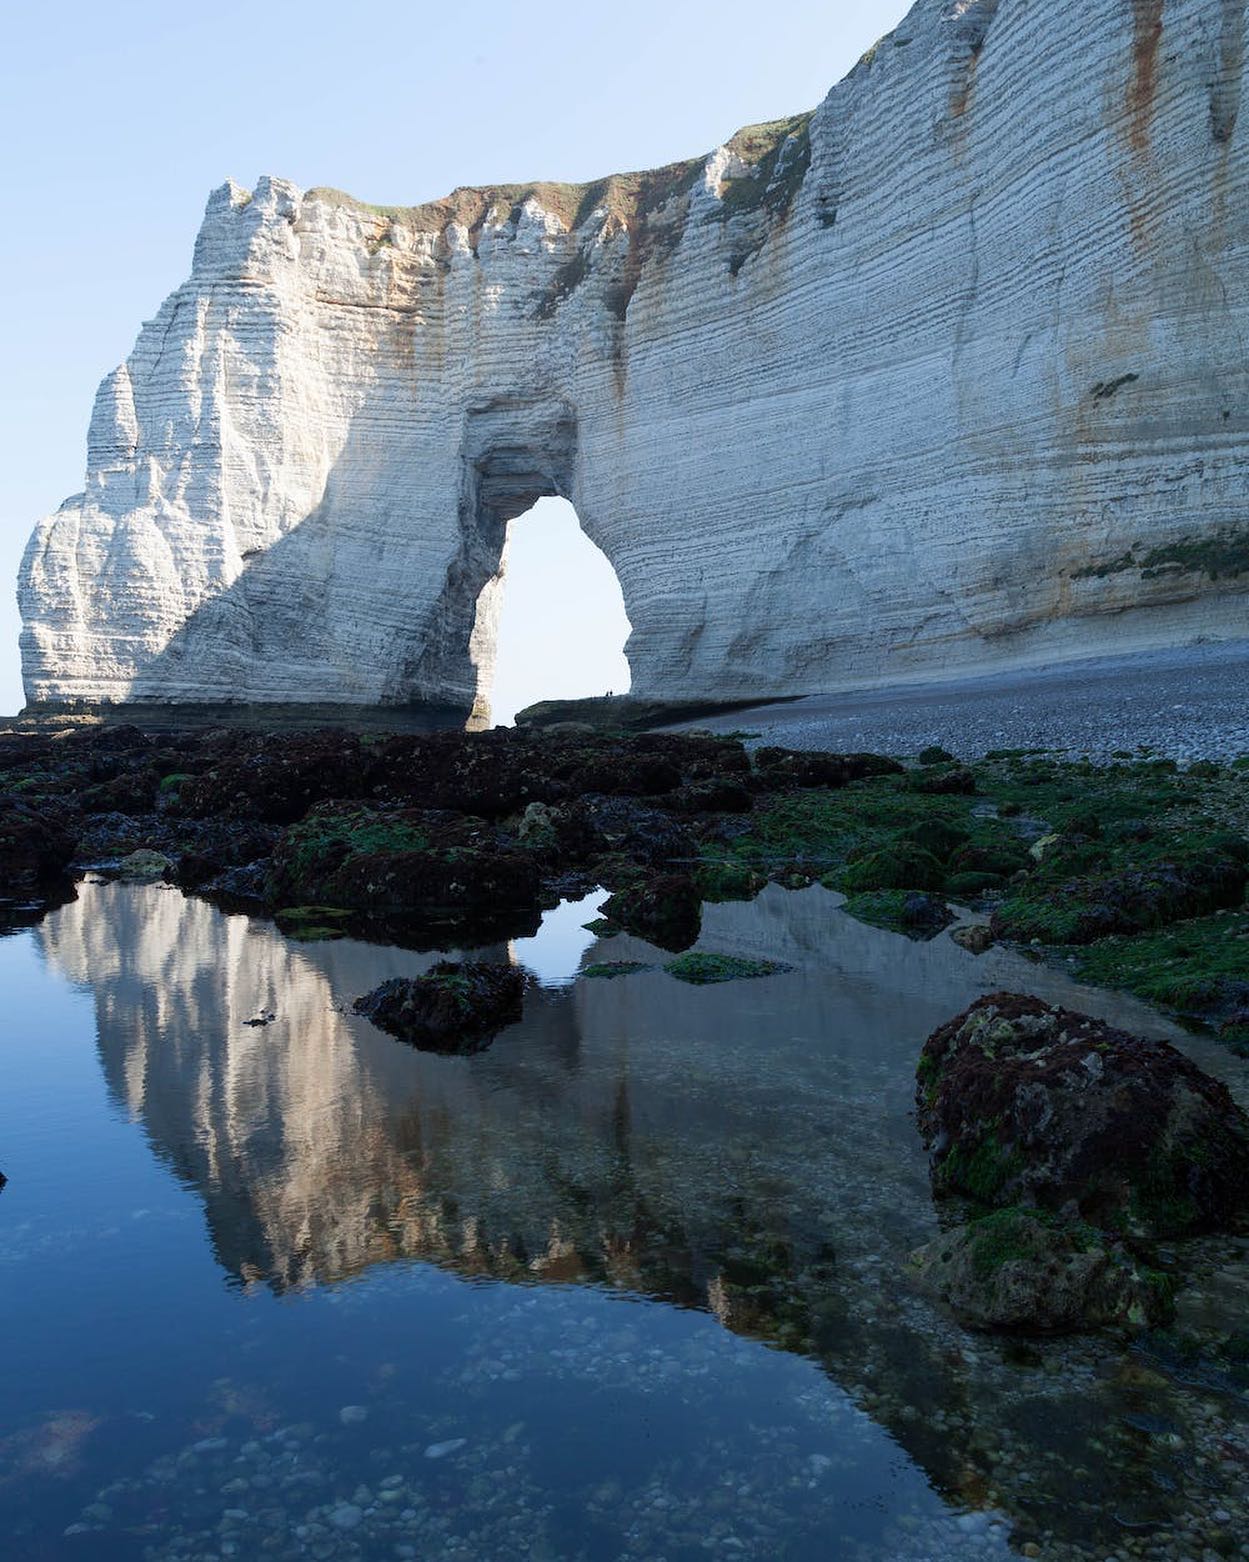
{"x":629,"y":1284}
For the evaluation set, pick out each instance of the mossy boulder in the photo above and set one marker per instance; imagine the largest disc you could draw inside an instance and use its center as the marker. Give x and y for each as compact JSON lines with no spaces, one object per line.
{"x":943,"y":781}
{"x":701,"y":967}
{"x":898,"y":865}
{"x":1023,"y":1103}
{"x":939,"y":836}
{"x":665,"y":909}
{"x":1133,"y":900}
{"x":907,"y":911}
{"x":1022,"y":1270}
{"x":1001,"y":858}
{"x":719,"y":880}
{"x":426,"y":866}
{"x":36,"y":844}
{"x":456,"y":1007}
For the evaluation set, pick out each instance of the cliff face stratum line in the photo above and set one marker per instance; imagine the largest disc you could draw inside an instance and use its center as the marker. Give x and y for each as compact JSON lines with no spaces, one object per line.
{"x":949,"y":374}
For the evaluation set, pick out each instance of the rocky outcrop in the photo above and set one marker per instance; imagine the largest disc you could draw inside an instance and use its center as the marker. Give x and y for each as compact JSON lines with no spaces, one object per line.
{"x":1024,"y":1103}
{"x":1017,"y":1270}
{"x":455,"y":1007}
{"x":946,"y":373}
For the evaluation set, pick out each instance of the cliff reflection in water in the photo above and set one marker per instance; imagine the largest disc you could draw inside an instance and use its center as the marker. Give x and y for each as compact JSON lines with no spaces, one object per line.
{"x":745,"y":1147}
{"x":635,"y":1131}
{"x":638,"y":1131}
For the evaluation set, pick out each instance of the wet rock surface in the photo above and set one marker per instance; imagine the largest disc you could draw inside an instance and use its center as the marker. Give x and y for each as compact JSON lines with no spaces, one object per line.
{"x":455,"y":1007}
{"x":1025,"y":1103}
{"x":1133,"y":868}
{"x":1018,"y":1270}
{"x":433,"y":838}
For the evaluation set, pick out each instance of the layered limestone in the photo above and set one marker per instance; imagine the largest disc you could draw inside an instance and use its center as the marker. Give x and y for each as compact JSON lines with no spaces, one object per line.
{"x":948,"y":374}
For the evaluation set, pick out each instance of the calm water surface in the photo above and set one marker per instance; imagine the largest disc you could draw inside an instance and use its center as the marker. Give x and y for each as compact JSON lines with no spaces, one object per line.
{"x":631,"y":1283}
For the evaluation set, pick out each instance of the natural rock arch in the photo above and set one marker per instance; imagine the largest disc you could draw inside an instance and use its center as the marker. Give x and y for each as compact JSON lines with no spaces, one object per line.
{"x":944,"y":376}
{"x":512,"y":454}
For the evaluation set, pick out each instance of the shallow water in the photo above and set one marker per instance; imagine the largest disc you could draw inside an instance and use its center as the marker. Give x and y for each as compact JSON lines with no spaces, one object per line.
{"x":630,"y":1283}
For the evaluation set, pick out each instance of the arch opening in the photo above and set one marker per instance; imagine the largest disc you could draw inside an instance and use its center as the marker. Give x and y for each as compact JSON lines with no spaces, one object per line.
{"x":551,"y":624}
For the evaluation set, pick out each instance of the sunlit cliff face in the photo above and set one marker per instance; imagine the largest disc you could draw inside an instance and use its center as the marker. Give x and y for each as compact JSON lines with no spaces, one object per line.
{"x":944,"y":375}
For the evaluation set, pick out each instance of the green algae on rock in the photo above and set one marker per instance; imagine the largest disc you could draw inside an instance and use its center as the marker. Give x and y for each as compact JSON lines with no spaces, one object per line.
{"x":608,"y":970}
{"x":701,"y":966}
{"x":313,"y":924}
{"x":454,"y":1007}
{"x":1024,"y":1103}
{"x":664,"y":909}
{"x":911,"y":912}
{"x":1023,"y":1270}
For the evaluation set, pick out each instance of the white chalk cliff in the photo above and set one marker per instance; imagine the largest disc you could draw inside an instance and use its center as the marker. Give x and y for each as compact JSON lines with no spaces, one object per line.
{"x":949,"y":374}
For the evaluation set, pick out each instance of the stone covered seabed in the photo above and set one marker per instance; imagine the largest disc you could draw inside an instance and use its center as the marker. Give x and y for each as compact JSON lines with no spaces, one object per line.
{"x":946,"y":375}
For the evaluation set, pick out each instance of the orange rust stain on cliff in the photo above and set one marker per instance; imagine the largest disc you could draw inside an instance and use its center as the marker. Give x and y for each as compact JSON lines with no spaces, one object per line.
{"x":1146,"y":36}
{"x":964,"y":88}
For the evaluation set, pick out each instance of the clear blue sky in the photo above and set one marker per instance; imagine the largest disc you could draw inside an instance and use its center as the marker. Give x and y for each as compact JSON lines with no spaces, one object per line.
{"x":117,"y":120}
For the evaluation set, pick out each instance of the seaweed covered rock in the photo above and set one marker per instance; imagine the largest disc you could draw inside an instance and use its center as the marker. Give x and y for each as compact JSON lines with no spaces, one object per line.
{"x":627,"y":775}
{"x":276,"y":778}
{"x":1023,"y":1270}
{"x":897,"y":865}
{"x":664,"y":909}
{"x":456,"y":1007}
{"x":488,"y":774}
{"x":593,"y":828}
{"x":703,"y":967}
{"x":36,"y":845}
{"x":133,"y":790}
{"x":1134,"y":900}
{"x":776,"y":767}
{"x":427,"y":866}
{"x":1024,"y":1103}
{"x":912,"y":912}
{"x":494,"y":774}
{"x":211,"y":848}
{"x":716,"y":795}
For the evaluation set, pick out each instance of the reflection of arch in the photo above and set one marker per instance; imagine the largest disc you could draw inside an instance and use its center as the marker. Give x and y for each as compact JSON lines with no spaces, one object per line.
{"x":643,"y":1135}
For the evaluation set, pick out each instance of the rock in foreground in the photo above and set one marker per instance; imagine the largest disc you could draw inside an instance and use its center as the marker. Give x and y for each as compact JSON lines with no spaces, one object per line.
{"x":452,"y":1008}
{"x":1022,"y":1103}
{"x":1021,"y":1270}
